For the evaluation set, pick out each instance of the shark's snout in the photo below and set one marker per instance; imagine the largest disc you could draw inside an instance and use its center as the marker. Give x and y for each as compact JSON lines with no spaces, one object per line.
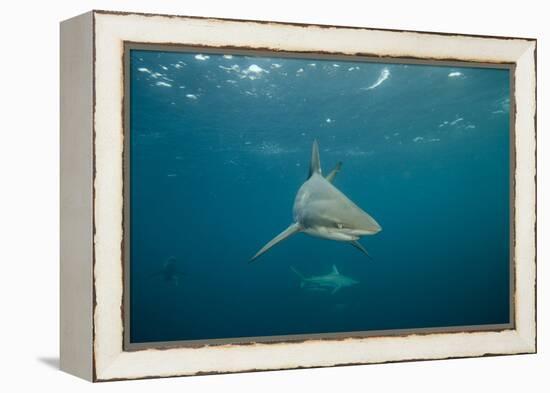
{"x":366,"y":225}
{"x":377,"y":228}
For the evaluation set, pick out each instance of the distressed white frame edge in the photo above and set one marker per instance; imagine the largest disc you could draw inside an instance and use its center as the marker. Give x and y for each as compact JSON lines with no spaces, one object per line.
{"x":76,"y":193}
{"x":111,"y":362}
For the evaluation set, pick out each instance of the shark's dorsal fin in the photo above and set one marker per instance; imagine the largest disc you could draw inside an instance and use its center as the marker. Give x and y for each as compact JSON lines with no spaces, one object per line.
{"x":335,"y":270}
{"x":315,"y":164}
{"x":330,"y":177}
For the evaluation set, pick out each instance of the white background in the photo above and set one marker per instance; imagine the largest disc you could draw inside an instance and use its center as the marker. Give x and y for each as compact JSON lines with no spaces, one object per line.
{"x":29,"y":205}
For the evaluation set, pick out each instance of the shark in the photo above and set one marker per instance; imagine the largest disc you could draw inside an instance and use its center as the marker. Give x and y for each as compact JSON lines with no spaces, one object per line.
{"x":332,"y":281}
{"x":322,"y":210}
{"x":170,"y":273}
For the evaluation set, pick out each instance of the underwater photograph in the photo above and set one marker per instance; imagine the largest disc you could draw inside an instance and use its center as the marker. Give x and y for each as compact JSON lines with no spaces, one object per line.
{"x":286,"y":195}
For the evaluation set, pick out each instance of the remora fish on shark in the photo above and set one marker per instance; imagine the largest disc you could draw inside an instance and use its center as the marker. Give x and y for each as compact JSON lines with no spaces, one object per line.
{"x":332,"y":281}
{"x":321,"y":210}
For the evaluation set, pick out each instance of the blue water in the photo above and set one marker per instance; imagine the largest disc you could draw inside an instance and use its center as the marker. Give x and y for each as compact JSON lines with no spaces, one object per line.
{"x":220,"y":146}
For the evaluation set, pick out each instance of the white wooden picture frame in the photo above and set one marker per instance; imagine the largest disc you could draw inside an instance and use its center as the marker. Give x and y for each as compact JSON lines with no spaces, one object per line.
{"x":92,"y":195}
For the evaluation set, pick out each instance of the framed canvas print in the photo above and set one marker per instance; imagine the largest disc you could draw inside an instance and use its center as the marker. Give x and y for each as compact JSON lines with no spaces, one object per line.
{"x":246,"y":195}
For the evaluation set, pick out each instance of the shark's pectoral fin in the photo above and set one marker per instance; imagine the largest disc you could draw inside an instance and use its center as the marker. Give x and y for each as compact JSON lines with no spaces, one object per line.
{"x":291,"y":230}
{"x":360,"y":247}
{"x":330,"y":177}
{"x":336,"y":289}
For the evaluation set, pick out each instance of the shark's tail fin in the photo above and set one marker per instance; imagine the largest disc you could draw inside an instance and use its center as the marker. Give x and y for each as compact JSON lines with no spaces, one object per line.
{"x":297,"y":272}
